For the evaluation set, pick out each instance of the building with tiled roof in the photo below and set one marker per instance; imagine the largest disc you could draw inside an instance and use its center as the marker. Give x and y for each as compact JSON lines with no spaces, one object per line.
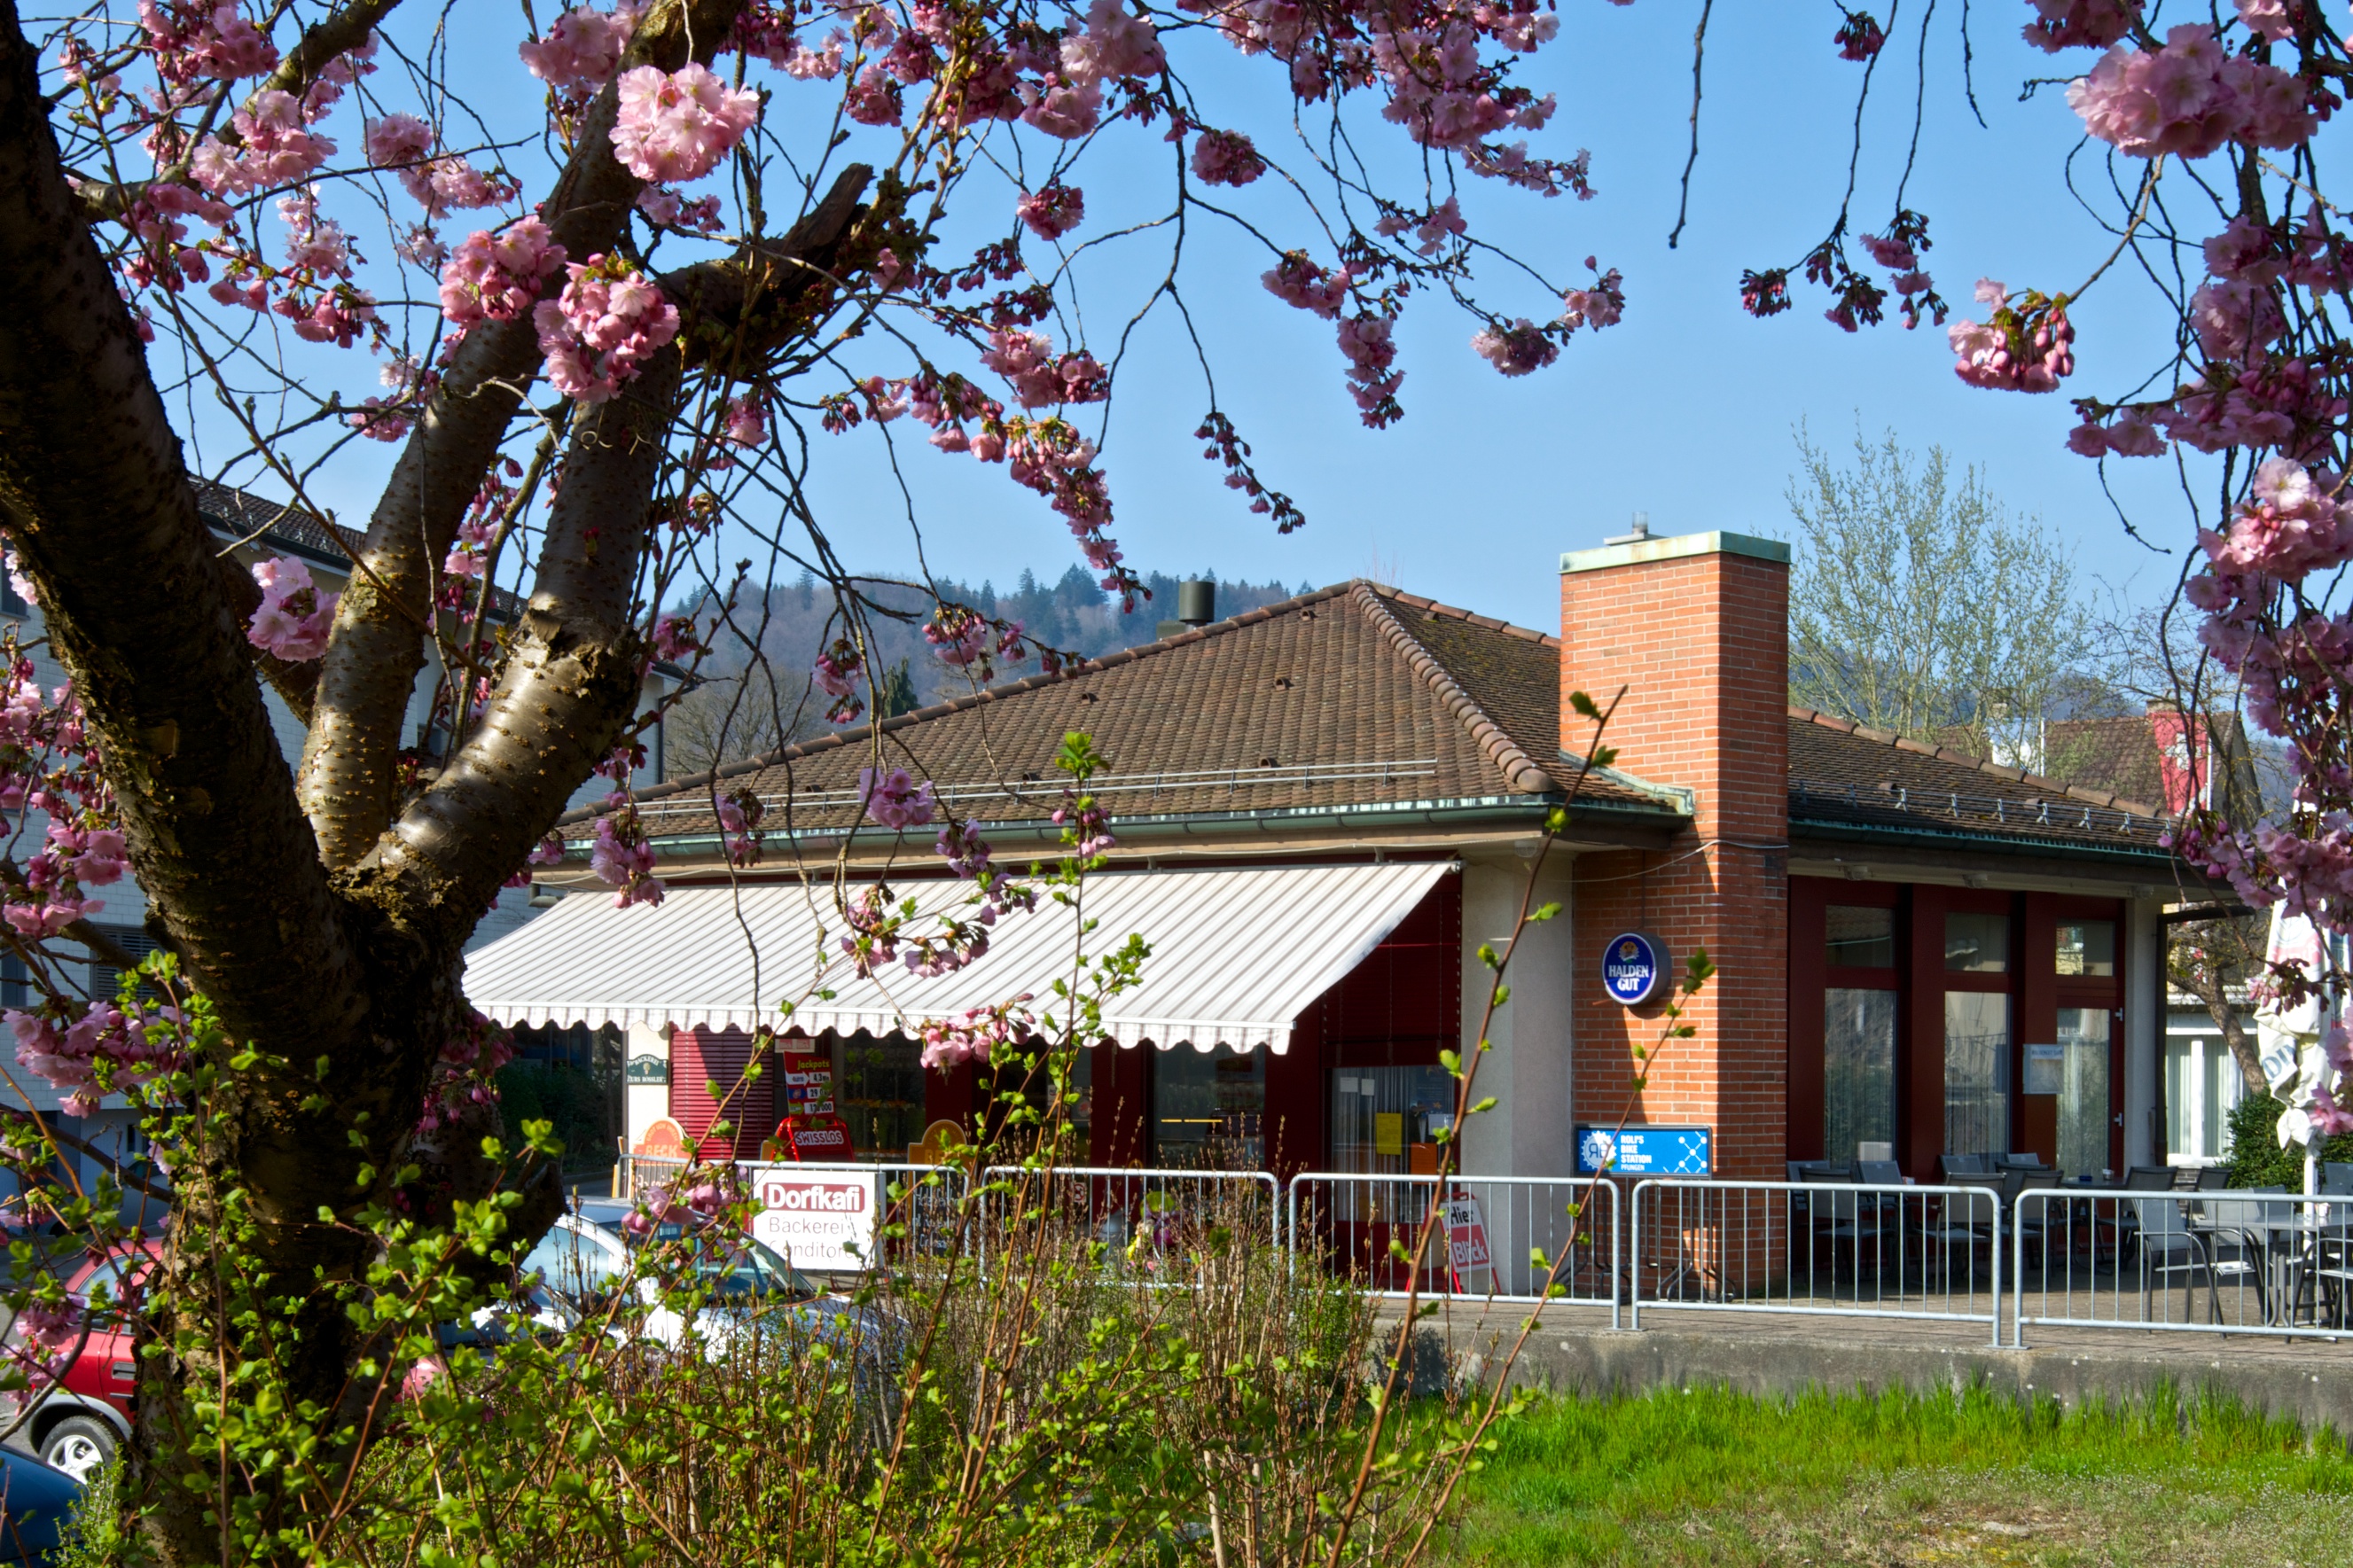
{"x":1325,"y":808}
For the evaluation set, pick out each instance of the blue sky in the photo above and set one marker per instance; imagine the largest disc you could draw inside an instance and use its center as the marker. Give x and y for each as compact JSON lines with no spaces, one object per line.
{"x":1684,"y":410}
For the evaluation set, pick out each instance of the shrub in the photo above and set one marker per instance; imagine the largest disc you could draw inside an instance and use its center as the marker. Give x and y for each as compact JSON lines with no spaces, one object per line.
{"x":2256,"y":1158}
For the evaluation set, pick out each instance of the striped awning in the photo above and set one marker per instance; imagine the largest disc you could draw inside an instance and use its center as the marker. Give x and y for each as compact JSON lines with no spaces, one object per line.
{"x":1237,"y":955}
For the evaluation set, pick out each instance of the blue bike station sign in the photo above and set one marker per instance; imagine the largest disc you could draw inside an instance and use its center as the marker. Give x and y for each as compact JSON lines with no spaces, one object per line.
{"x":1633,"y":967}
{"x":1644,"y":1150}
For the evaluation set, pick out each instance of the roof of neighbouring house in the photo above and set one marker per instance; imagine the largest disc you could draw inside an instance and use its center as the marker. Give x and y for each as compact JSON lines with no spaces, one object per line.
{"x":1352,"y":696}
{"x":1843,"y":775}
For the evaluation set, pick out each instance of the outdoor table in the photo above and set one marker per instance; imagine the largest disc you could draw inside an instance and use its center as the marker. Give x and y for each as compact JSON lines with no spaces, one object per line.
{"x":2288,"y":1245}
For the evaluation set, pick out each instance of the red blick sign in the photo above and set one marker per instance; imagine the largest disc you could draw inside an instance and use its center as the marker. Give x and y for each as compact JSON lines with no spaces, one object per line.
{"x":825,"y":1223}
{"x":1466,"y":1237}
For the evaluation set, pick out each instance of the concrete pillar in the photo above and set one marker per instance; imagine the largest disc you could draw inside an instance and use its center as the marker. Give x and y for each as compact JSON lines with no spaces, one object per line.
{"x":1530,"y":1132}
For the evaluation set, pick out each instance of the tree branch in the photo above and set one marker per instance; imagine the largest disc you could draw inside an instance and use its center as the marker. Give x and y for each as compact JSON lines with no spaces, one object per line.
{"x":96,"y":499}
{"x":570,"y":681}
{"x":350,"y":774}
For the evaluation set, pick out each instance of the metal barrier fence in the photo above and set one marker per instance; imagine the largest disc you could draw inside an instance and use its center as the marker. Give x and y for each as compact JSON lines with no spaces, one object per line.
{"x":1836,"y":1249}
{"x":2259,"y":1262}
{"x":1481,"y":1249}
{"x":1119,"y":1207}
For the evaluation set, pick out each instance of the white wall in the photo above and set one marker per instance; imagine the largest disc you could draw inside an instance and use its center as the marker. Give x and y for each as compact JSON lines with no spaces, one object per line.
{"x":1531,"y":1130}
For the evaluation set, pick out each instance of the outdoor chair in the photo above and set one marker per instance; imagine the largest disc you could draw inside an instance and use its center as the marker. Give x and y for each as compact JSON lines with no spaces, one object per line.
{"x":2015,"y":1162}
{"x":1958,"y":1168}
{"x":2169,"y":1248}
{"x":2150,"y":1179}
{"x":2214,"y":1179}
{"x":2233,"y":1251}
{"x":2336,"y":1179}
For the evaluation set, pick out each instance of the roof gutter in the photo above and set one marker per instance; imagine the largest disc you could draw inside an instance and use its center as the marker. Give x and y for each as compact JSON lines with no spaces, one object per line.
{"x":1507,"y":812}
{"x":1884,"y":833}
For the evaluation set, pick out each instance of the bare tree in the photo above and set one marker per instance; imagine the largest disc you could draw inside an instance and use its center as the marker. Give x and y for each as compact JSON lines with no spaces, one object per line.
{"x":1921,"y":607}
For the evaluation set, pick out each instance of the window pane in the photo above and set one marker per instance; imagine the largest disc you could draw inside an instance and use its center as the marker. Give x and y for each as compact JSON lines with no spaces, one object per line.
{"x":1380,"y":1113}
{"x":2224,"y":1086}
{"x":1207,"y":1108}
{"x":1861,"y":938}
{"x":1976,"y":1072}
{"x":2083,"y":1108}
{"x":1977,"y":944}
{"x":1858,"y":1070}
{"x":880,"y":1092}
{"x":2181,"y":1088}
{"x":2087,"y":947}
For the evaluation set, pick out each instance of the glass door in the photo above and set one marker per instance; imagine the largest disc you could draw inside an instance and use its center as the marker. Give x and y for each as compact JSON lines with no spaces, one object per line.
{"x":2083,"y":1108}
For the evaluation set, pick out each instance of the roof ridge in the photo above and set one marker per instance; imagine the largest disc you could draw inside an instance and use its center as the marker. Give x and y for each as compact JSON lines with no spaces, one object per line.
{"x":867,"y":732}
{"x":1489,"y":623}
{"x":2099,"y":798}
{"x":1519,"y":770}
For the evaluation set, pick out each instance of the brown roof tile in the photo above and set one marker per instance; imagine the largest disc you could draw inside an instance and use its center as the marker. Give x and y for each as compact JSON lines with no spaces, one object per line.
{"x":1844,"y":774}
{"x":1348,"y":696}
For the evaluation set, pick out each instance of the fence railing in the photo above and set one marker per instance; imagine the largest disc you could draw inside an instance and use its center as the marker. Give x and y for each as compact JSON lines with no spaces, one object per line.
{"x":2230,"y":1262}
{"x":1839,"y":1249}
{"x":1483,"y":1246}
{"x":2234,"y":1262}
{"x":1126,"y":1208}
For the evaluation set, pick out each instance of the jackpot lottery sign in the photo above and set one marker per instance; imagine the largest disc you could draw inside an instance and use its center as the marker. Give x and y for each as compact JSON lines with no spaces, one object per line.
{"x":822,"y":1223}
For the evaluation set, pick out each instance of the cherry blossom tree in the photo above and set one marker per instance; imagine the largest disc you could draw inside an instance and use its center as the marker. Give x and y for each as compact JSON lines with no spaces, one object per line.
{"x":603,"y":292}
{"x":2211,"y":122}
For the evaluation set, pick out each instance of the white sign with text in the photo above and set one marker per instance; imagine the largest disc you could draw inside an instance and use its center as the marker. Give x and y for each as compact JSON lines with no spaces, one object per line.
{"x":822,"y":1219}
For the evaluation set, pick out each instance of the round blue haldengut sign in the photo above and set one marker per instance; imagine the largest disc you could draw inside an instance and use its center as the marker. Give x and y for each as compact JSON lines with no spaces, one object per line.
{"x":1632,"y":967}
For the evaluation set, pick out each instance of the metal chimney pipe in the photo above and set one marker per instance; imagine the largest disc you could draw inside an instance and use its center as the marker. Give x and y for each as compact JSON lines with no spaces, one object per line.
{"x":1197,"y":602}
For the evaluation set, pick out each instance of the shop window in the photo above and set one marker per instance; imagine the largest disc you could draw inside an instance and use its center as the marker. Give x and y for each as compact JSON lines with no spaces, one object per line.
{"x":1976,"y":1072}
{"x":2082,"y":1089}
{"x":2203,"y":1086}
{"x":1858,"y":1069}
{"x":1857,"y":937}
{"x":1208,"y":1109}
{"x":879,"y":1092}
{"x":1977,"y":944}
{"x":1381,"y":1116}
{"x":2087,"y":948}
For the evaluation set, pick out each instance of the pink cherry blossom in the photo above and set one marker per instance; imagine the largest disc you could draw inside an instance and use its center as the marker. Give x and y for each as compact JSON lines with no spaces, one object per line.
{"x":2069,"y":24}
{"x":1062,"y":108}
{"x":746,"y":422}
{"x":595,"y":334}
{"x":498,"y":277}
{"x":1515,"y":349}
{"x":1116,"y":43}
{"x":1226,"y":158}
{"x":2190,"y":97}
{"x":1052,"y":212}
{"x":397,"y":139}
{"x":889,"y":796}
{"x":294,"y":618}
{"x":1364,"y":343}
{"x":2274,"y":20}
{"x":1295,"y":280}
{"x":442,"y":186}
{"x":581,"y":51}
{"x":677,"y":126}
{"x":277,"y":150}
{"x":621,"y":857}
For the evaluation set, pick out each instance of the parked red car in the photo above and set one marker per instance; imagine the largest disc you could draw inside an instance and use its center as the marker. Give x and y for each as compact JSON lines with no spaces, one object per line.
{"x":82,"y":1418}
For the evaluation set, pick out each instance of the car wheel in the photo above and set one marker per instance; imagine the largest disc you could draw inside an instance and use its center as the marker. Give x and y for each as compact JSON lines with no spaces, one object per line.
{"x":79,"y":1445}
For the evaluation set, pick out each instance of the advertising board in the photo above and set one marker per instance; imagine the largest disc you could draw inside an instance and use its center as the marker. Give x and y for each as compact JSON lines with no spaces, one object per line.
{"x":823,"y":1222}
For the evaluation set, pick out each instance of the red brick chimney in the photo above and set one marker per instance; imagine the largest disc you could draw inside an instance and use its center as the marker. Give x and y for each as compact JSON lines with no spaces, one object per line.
{"x":1695,"y":629}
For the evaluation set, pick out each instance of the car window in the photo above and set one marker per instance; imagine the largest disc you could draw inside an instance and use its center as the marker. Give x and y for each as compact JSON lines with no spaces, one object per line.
{"x":753,"y":1270}
{"x":574,"y":1262}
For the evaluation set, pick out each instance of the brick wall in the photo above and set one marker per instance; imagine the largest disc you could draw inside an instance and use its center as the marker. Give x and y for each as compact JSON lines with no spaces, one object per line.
{"x":1698,"y":637}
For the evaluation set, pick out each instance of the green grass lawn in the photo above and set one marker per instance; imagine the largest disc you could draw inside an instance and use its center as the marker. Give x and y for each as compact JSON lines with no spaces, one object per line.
{"x":1705,"y":1476}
